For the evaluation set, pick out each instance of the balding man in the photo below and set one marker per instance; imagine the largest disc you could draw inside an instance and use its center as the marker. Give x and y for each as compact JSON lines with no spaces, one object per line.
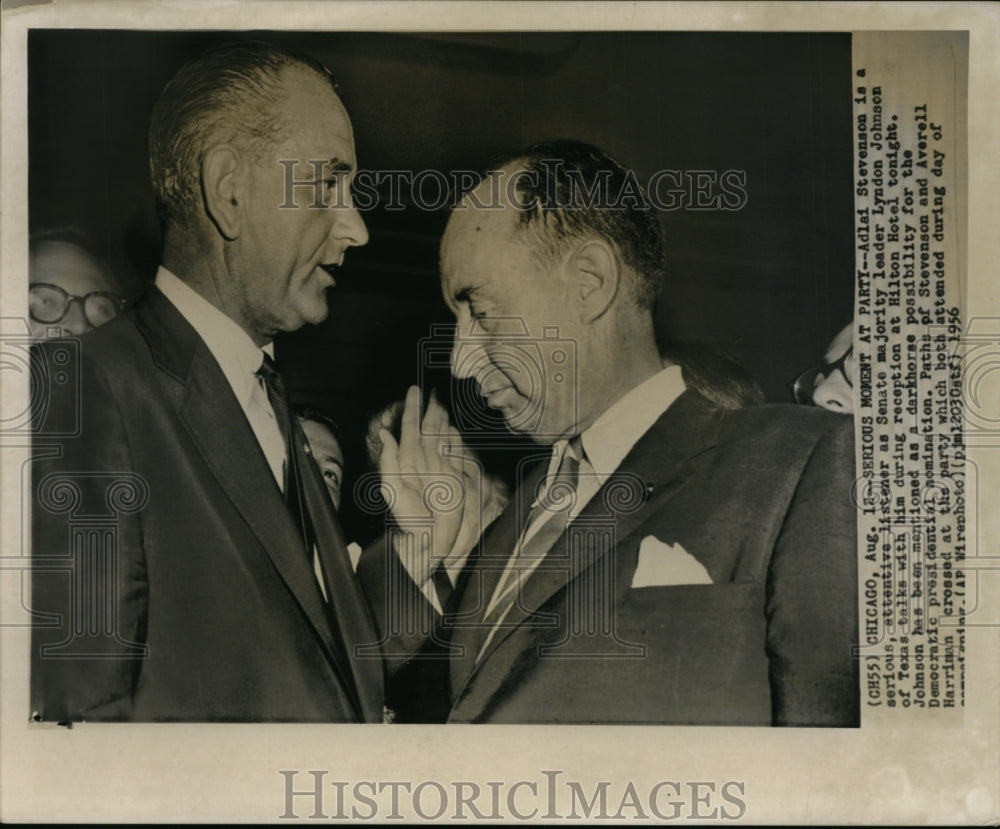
{"x":70,"y":291}
{"x":217,"y":586}
{"x":665,"y":560}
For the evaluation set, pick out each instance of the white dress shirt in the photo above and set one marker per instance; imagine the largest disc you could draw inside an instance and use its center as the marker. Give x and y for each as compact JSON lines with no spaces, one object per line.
{"x":605,"y":444}
{"x":238,"y":357}
{"x":611,"y":437}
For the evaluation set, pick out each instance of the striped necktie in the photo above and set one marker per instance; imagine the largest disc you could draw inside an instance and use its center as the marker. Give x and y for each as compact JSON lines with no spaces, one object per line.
{"x":546,"y":522}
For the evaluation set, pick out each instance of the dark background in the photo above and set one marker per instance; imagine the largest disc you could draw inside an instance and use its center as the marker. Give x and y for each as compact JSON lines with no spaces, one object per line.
{"x":770,"y":283}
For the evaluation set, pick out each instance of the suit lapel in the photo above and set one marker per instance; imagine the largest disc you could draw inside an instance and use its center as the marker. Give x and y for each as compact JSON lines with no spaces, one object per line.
{"x":652,"y":473}
{"x":218,"y":427}
{"x":348,"y":607}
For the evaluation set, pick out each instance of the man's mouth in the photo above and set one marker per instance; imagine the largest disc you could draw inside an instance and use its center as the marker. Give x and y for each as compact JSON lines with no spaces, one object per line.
{"x":330,"y":268}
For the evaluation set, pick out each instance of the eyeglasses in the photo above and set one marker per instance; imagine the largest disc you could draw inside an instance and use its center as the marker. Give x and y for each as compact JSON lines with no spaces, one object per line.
{"x":49,"y":303}
{"x":805,"y":384}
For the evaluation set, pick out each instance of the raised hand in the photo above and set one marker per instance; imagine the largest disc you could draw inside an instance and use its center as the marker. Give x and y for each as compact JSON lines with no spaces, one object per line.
{"x":486,"y":498}
{"x":427,"y":478}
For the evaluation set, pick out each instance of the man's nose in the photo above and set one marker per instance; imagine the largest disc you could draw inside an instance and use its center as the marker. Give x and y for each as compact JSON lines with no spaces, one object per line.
{"x":834,"y":394}
{"x":350,"y":227}
{"x":466,"y":354}
{"x":75,"y":321}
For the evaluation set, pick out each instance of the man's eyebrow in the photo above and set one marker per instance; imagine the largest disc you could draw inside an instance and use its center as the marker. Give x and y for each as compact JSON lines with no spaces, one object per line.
{"x":336,"y":165}
{"x":470,"y":293}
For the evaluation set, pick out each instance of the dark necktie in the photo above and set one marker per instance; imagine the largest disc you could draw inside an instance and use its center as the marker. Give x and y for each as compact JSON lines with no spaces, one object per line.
{"x":442,"y":585}
{"x":292,"y":472}
{"x":313,"y":513}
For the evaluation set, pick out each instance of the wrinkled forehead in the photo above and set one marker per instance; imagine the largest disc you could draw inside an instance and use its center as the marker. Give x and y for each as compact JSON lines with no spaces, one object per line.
{"x":314,"y":113}
{"x":482,"y":222}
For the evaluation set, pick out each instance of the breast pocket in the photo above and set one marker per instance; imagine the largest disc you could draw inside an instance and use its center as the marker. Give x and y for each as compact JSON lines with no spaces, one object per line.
{"x":705,"y":657}
{"x":692,"y":611}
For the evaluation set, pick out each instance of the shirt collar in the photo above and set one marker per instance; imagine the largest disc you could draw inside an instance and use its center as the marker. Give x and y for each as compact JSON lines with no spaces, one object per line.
{"x":237,"y":355}
{"x":609,"y":438}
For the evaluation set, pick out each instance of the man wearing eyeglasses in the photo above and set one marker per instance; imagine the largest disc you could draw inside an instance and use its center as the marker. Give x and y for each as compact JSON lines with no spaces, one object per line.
{"x":189,"y":564}
{"x":831,"y":385}
{"x":70,"y":290}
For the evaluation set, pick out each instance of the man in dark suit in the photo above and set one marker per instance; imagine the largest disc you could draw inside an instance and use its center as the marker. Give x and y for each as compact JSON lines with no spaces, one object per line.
{"x":188,"y":562}
{"x":666,"y":560}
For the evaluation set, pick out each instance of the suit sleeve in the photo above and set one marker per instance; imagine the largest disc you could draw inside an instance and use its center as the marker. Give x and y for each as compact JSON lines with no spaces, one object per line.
{"x":413,"y":644}
{"x":89,"y":587}
{"x":812,"y":593}
{"x":404,"y":617}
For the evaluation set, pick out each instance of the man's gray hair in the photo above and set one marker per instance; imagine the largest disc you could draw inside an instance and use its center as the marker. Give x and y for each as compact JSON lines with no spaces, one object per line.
{"x":228,"y":94}
{"x":572,"y":190}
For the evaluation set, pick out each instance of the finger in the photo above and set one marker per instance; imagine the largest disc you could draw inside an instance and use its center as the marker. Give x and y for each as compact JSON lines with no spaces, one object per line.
{"x":373,"y":446}
{"x":386,"y":420}
{"x":390,"y":414}
{"x":456,"y":442}
{"x":453,"y":448}
{"x":437,"y":423}
{"x":388,"y":459}
{"x":434,"y":434}
{"x":433,"y":426}
{"x":409,"y":433}
{"x":388,"y":464}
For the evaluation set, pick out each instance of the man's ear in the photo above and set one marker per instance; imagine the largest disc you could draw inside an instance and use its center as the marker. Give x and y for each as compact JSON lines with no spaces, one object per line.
{"x":595,"y":277}
{"x":221,"y":184}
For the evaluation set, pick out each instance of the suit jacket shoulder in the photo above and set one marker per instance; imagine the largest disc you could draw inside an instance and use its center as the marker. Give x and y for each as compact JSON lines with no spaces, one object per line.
{"x":760,"y":498}
{"x":215,"y":609}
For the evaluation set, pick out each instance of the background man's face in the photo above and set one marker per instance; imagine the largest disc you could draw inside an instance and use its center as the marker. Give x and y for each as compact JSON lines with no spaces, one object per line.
{"x":75,"y":271}
{"x":833,"y":390}
{"x":329,"y":457}
{"x":516,"y":335}
{"x":281,"y":252}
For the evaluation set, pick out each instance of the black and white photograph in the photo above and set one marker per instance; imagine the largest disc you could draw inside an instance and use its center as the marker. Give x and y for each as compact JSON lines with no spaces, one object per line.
{"x":423,"y":419}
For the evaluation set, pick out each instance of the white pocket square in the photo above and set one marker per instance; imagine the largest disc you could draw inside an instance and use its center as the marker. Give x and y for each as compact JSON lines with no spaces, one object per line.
{"x":661,"y":564}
